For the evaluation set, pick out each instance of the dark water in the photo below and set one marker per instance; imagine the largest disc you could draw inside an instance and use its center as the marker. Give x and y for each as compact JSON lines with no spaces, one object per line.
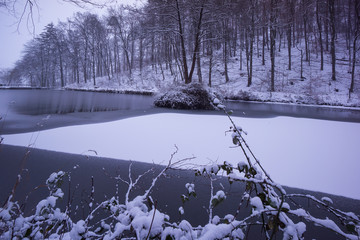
{"x":38,"y":102}
{"x":32,"y":110}
{"x":39,"y":164}
{"x":254,"y":109}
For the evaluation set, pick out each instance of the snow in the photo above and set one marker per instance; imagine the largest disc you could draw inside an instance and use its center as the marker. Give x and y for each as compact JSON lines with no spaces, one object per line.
{"x":327,"y":200}
{"x":220,"y":231}
{"x":216,"y":220}
{"x":43,"y":205}
{"x":294,"y":230}
{"x":256,"y":203}
{"x":285,"y":206}
{"x":78,"y":230}
{"x":328,"y":223}
{"x":59,"y":193}
{"x":181,"y":210}
{"x":312,"y":154}
{"x":211,"y":168}
{"x":183,"y":232}
{"x":301,"y":228}
{"x":55,"y":176}
{"x":220,"y":195}
{"x":242,"y":165}
{"x":216,"y":101}
{"x":190,"y":187}
{"x":5,"y":215}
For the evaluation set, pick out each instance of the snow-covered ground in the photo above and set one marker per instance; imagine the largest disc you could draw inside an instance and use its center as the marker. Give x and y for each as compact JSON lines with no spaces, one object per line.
{"x":306,"y":153}
{"x":316,"y":87}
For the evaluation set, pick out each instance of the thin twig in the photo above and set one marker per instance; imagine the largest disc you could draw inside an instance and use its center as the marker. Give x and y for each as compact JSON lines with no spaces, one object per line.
{"x":152,"y":220}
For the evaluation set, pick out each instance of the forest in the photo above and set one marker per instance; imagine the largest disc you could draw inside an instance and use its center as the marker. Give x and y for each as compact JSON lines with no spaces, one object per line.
{"x":186,"y":38}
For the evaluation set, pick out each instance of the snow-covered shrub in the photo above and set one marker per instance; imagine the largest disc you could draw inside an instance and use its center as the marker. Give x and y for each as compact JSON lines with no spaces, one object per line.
{"x":191,"y":96}
{"x":44,"y":223}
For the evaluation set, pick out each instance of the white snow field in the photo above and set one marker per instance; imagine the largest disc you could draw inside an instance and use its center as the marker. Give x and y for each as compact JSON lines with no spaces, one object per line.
{"x":312,"y":154}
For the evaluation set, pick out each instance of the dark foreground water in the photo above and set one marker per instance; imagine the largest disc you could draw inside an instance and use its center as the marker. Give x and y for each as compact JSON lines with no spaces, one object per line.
{"x":39,"y":164}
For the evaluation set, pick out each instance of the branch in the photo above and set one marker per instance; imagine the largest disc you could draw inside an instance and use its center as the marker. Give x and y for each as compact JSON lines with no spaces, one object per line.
{"x":343,"y":216}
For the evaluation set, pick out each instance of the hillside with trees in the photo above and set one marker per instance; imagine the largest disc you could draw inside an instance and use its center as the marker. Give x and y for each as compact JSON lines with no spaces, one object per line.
{"x":270,"y":50}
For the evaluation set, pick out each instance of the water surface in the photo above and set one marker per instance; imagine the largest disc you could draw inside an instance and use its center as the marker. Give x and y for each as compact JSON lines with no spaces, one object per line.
{"x":26,"y":110}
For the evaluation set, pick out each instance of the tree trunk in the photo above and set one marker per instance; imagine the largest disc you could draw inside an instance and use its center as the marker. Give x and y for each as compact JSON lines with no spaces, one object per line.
{"x":241,"y":49}
{"x":263,"y":46}
{"x":301,"y":65}
{"x":61,"y":71}
{"x":326,"y":29}
{"x":225,"y":48}
{"x":197,"y":43}
{"x":210,"y":66}
{"x":289,"y":45}
{"x":264,"y":30}
{"x":357,"y":35}
{"x":353,"y":65}
{"x":305,"y":19}
{"x":318,"y":21}
{"x":85,"y":62}
{"x":252,"y":37}
{"x":333,"y":35}
{"x":198,"y":63}
{"x":93,"y":67}
{"x":226,"y":62}
{"x":182,"y":45}
{"x":273,"y":5}
{"x":349,"y":27}
{"x":247,"y":54}
{"x":349,"y":32}
{"x":152,"y":57}
{"x":141,"y":55}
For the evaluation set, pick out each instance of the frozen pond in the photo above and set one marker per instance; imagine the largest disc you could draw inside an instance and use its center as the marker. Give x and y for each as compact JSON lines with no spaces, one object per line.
{"x":314,"y":154}
{"x":25,"y":110}
{"x":317,"y":155}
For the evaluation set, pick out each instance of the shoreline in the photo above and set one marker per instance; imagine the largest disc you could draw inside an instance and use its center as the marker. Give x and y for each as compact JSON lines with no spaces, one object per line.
{"x":226,"y":98}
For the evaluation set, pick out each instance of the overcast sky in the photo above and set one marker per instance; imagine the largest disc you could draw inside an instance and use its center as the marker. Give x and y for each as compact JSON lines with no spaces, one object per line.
{"x":12,"y":38}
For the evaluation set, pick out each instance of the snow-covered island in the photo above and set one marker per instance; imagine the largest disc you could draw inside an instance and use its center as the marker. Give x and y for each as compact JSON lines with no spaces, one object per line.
{"x":192,"y":96}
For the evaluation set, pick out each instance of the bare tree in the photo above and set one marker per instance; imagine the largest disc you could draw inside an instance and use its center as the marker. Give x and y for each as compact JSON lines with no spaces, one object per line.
{"x":273,"y":9}
{"x":355,"y":47}
{"x":331,"y":5}
{"x":319,"y":25}
{"x":250,"y":38}
{"x":25,"y":9}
